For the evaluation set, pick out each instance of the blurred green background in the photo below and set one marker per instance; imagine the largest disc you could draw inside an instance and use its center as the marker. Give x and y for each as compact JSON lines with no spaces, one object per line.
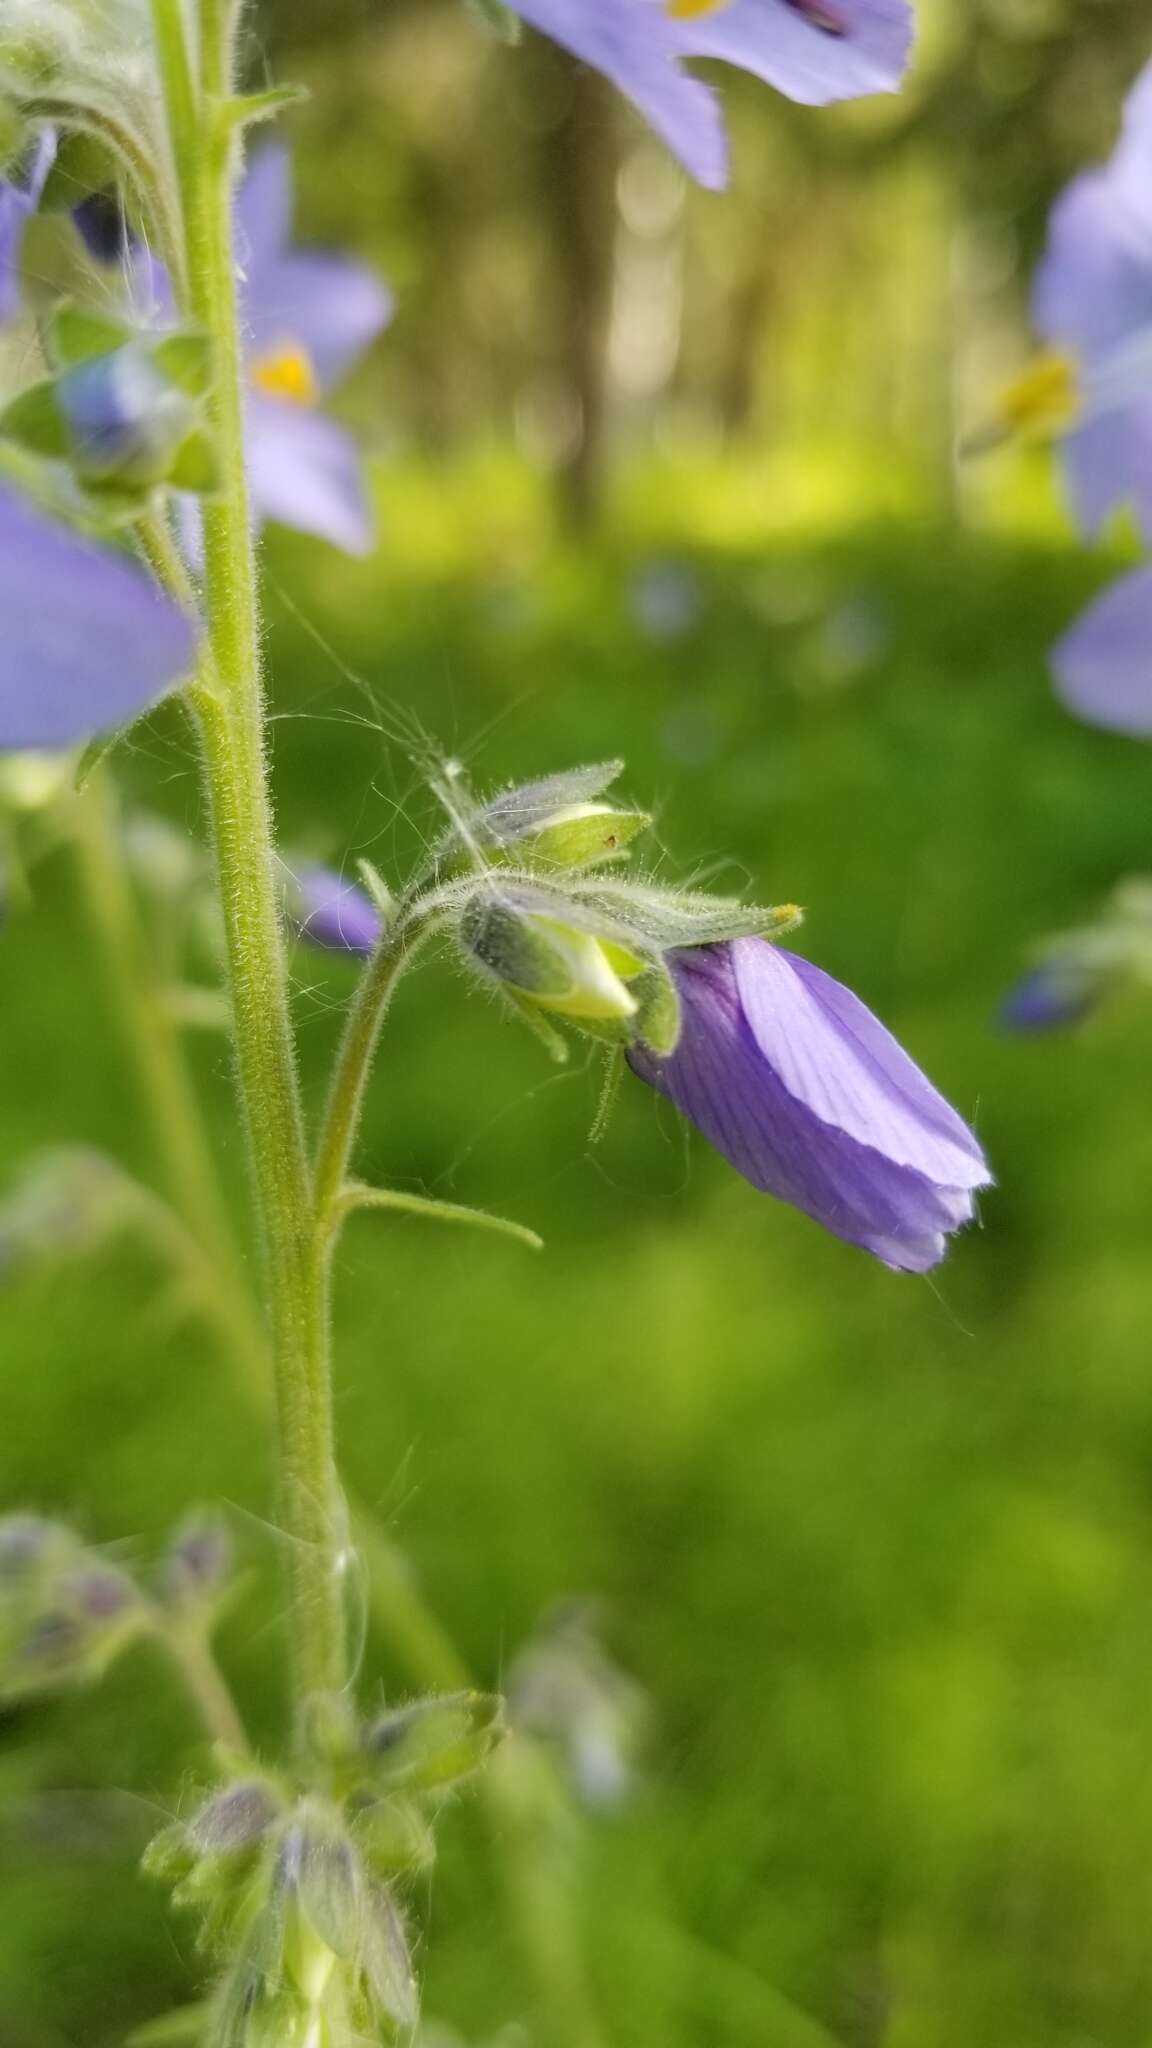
{"x":673,"y":477}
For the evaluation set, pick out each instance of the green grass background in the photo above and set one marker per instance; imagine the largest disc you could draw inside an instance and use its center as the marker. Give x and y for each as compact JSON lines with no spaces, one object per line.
{"x":879,"y":1548}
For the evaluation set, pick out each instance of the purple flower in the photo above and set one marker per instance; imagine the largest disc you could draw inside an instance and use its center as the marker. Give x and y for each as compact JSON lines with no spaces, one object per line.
{"x":330,"y":911}
{"x":88,"y":641}
{"x":1058,"y":992}
{"x":19,"y":199}
{"x":812,"y":50}
{"x":788,"y":1075}
{"x":1093,"y":300}
{"x":307,"y":316}
{"x":1103,"y":664}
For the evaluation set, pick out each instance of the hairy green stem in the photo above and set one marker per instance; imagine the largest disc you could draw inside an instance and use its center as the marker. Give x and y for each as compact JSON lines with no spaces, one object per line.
{"x":229,"y":705}
{"x":192,"y":1656}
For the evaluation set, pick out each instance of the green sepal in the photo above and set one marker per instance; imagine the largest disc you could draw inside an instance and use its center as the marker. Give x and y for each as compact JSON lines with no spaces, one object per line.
{"x":496,"y":20}
{"x":83,"y":164}
{"x":668,"y":918}
{"x":195,"y":466}
{"x":74,"y":334}
{"x":35,"y":421}
{"x":329,"y":1887}
{"x":657,"y":1022}
{"x":187,"y":360}
{"x":387,"y":1961}
{"x":435,"y":1742}
{"x":553,"y":1041}
{"x":393,"y":1836}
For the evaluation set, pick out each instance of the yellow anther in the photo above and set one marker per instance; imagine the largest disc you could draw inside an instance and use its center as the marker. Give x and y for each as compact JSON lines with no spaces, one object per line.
{"x":691,"y":10}
{"x":1044,"y":399}
{"x":286,"y":372}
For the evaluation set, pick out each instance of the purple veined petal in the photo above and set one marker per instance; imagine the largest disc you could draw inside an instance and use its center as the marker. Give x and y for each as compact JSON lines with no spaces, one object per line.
{"x":832,"y":1054}
{"x":814,"y":51}
{"x":331,"y":308}
{"x":633,"y":42}
{"x":330,"y":911}
{"x":89,"y":641}
{"x":306,"y":472}
{"x":1103,"y":665}
{"x":804,"y":1095}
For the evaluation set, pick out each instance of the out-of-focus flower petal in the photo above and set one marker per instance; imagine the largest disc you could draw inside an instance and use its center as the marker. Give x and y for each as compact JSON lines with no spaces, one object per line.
{"x":331,"y":911}
{"x":88,"y":640}
{"x":19,"y":199}
{"x":636,"y":45}
{"x":331,"y":308}
{"x":307,"y":472}
{"x":812,"y":50}
{"x":1103,"y":664}
{"x":788,"y":1074}
{"x":263,"y":210}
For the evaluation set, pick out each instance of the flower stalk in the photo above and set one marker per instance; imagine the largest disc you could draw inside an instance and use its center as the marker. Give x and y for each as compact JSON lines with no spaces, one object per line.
{"x":229,"y":706}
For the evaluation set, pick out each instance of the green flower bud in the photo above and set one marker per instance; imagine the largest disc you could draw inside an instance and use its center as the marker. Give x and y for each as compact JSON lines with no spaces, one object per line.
{"x":236,"y":1820}
{"x":124,"y":420}
{"x":542,"y":959}
{"x":435,"y":1741}
{"x":198,"y":1563}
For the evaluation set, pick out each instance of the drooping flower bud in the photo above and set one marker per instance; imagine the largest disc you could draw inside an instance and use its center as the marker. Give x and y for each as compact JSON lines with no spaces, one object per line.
{"x":555,"y":824}
{"x":126,"y":418}
{"x":436,"y":1741}
{"x":540,"y":958}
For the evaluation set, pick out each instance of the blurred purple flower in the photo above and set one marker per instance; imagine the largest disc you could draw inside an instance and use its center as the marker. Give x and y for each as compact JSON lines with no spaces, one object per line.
{"x":1058,"y":992}
{"x":788,"y":1075}
{"x":89,"y":640}
{"x":19,"y":198}
{"x":1103,"y":664}
{"x":329,"y":911}
{"x":1092,"y":300}
{"x":812,"y":50}
{"x":307,"y":316}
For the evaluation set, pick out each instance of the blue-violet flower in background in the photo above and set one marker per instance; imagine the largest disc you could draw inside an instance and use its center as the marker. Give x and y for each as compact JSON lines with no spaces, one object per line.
{"x":330,"y":911}
{"x":812,"y":1100}
{"x":1092,"y":302}
{"x":88,"y":640}
{"x":307,"y":315}
{"x":812,"y":50}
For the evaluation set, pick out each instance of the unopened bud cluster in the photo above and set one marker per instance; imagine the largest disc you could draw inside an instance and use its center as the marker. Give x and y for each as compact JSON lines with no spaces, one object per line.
{"x":295,"y":1876}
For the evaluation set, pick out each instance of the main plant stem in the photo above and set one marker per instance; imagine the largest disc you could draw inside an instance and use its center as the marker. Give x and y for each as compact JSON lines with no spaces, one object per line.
{"x":229,"y":703}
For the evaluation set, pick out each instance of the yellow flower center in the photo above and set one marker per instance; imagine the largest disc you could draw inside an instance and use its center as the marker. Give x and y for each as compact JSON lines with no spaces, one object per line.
{"x":690,"y":10}
{"x":1044,"y":399}
{"x":286,"y":372}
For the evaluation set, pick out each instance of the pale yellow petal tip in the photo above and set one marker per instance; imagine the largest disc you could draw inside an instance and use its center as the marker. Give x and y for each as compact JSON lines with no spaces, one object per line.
{"x":286,"y":372}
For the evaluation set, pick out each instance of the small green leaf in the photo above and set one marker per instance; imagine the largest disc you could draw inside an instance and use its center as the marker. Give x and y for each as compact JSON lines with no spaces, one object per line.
{"x":358,"y":1195}
{"x":246,"y":109}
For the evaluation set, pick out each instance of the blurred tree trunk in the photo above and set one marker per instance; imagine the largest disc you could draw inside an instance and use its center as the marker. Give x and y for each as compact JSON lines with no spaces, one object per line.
{"x":579,"y":158}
